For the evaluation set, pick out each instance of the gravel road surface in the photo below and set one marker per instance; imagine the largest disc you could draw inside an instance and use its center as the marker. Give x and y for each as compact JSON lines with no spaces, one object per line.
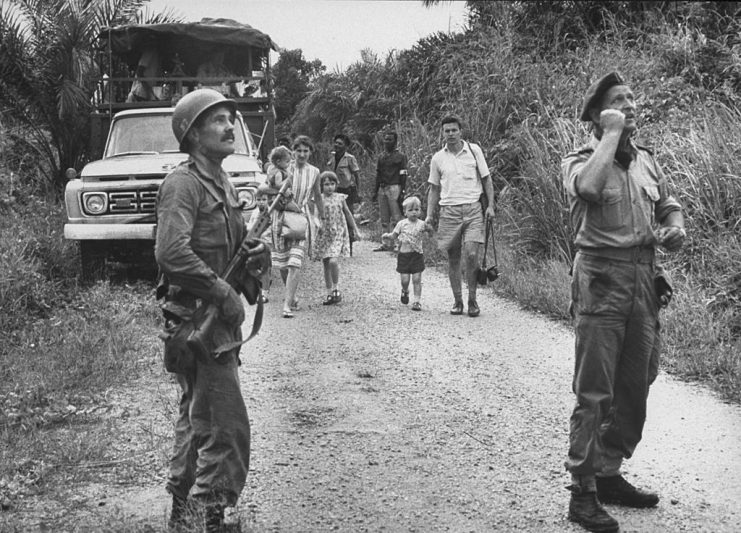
{"x":367,"y":416}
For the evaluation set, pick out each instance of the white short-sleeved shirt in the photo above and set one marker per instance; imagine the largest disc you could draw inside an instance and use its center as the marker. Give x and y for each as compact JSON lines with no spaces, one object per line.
{"x":456,"y":174}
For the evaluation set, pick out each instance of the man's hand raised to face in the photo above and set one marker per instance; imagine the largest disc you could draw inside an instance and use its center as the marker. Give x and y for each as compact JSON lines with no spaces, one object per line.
{"x":612,"y":121}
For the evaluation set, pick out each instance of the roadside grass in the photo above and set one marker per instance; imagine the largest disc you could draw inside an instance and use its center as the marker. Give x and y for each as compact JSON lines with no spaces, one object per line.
{"x":702,"y":326}
{"x":62,"y":347}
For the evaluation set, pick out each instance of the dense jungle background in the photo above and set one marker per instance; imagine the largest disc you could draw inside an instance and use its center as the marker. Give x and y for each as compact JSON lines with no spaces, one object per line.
{"x":516,"y":76}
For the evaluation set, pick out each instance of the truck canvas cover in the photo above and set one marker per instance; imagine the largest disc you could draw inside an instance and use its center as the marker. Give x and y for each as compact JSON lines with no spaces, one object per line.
{"x":188,"y":38}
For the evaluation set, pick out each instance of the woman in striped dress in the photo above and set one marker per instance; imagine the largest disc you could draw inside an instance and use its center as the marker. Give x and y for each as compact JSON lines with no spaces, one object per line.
{"x":288,"y":255}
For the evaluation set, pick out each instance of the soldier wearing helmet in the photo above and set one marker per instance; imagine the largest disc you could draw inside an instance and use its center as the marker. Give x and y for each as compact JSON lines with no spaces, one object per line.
{"x":618,"y":194}
{"x":199,"y":228}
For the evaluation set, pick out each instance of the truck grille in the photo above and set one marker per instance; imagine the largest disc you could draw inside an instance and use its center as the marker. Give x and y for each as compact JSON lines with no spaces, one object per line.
{"x":131,"y":202}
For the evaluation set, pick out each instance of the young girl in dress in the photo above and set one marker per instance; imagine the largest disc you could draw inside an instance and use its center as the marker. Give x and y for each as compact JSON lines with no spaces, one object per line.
{"x":333,"y":237}
{"x":410,"y":262}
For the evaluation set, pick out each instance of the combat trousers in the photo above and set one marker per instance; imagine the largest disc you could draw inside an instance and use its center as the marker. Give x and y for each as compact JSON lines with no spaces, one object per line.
{"x":388,"y":206}
{"x":616,"y":326}
{"x":212,"y":434}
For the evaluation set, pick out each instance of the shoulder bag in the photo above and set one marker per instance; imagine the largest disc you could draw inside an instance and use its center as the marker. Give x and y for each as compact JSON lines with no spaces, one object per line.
{"x":294,"y":226}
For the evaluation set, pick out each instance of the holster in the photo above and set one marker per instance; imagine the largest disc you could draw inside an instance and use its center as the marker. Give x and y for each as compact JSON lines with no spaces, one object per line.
{"x":178,"y":327}
{"x":663,"y":287}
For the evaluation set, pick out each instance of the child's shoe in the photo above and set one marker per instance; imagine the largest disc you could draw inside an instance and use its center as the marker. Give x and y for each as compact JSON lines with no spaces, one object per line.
{"x":329,"y":300}
{"x":336,"y":296}
{"x":416,"y":306}
{"x":404,"y":297}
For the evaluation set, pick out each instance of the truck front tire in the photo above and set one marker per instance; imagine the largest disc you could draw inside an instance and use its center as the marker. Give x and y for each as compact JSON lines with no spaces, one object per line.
{"x":92,"y":260}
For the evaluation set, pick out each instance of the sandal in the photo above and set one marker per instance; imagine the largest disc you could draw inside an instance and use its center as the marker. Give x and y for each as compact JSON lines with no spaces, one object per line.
{"x":404,"y":297}
{"x":416,"y":306}
{"x":336,"y":296}
{"x":329,"y":300}
{"x":287,"y":313}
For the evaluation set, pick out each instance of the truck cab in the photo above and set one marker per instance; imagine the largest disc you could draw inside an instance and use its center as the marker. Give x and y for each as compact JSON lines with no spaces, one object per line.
{"x":110,"y":203}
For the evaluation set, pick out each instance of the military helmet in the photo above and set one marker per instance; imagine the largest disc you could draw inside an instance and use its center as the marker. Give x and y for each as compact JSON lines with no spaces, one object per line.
{"x":191,"y":106}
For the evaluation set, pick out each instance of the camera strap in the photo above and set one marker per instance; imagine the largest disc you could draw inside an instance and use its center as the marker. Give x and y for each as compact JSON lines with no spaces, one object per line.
{"x":489,"y":234}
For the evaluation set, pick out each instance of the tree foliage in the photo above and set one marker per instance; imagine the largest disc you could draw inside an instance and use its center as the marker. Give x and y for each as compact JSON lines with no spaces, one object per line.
{"x":48,"y":72}
{"x":503,"y":57}
{"x":293,"y":77}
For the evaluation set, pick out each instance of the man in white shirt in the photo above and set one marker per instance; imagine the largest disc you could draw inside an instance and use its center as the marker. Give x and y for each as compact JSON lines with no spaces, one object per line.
{"x":459,"y":176}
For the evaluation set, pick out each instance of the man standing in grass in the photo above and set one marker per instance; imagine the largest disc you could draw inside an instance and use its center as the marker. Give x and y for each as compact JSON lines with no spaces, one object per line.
{"x":391,"y":174}
{"x":458,"y":176}
{"x":617,"y":192}
{"x":199,"y":228}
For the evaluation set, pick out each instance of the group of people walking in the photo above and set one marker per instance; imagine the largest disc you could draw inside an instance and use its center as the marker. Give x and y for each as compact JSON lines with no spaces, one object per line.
{"x":621,"y":209}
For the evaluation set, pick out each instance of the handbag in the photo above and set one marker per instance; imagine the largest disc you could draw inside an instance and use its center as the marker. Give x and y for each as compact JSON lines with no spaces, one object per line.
{"x":294,"y":226}
{"x":484,"y":274}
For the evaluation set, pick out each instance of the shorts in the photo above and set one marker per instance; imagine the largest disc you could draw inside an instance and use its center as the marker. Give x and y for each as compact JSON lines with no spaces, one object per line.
{"x":410,"y":263}
{"x":460,"y":224}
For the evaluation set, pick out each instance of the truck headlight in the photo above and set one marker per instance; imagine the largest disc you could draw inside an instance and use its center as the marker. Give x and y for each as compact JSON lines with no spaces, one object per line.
{"x":246,"y":198}
{"x":95,"y":203}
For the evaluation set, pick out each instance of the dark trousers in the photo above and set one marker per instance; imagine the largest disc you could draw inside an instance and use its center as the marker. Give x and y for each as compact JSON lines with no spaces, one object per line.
{"x":616,"y":326}
{"x":211,"y":455}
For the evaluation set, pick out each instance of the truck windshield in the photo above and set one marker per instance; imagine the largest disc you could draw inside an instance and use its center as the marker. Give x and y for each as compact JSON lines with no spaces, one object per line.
{"x":139,"y":133}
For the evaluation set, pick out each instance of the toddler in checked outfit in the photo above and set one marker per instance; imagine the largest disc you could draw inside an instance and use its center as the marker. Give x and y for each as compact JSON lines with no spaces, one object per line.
{"x":410,"y":262}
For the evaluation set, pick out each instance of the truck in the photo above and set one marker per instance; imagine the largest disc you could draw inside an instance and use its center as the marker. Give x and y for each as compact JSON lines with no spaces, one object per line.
{"x":110,"y":203}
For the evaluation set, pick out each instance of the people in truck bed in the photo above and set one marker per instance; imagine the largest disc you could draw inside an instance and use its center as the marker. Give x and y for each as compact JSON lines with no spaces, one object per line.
{"x":148,"y":67}
{"x":215,"y":68}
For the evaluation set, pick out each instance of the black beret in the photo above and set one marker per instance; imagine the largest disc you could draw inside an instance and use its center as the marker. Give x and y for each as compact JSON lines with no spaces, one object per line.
{"x":597,"y":90}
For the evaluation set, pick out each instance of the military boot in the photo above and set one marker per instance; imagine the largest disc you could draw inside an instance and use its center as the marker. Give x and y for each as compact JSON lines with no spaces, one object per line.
{"x":616,"y":490}
{"x":214,"y":519}
{"x":586,"y":510}
{"x":178,"y":514}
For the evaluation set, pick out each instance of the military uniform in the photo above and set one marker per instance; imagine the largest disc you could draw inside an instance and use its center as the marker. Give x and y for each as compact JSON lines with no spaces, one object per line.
{"x":199,"y":229}
{"x":614,"y":305}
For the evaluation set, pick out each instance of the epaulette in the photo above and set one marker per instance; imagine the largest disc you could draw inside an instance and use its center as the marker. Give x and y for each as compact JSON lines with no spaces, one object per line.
{"x":644,"y":148}
{"x":581,"y":151}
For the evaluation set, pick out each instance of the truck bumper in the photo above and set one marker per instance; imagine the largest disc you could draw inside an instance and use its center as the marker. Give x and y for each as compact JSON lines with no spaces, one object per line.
{"x":104,"y":232}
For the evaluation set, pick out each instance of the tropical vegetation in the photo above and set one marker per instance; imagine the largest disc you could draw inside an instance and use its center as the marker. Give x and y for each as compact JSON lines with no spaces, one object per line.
{"x":515,"y":75}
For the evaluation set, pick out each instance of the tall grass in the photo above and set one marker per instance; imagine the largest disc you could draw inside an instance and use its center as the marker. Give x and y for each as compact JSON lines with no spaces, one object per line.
{"x":61,"y":346}
{"x":699,"y":152}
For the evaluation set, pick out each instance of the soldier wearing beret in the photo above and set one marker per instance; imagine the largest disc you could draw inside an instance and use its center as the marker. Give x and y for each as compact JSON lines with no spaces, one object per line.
{"x":618,"y":194}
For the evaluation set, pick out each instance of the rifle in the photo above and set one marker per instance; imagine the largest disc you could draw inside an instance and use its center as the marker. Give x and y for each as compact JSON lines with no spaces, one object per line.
{"x":200,"y":338}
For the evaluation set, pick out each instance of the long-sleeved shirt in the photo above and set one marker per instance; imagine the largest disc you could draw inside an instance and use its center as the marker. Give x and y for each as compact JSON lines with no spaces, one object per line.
{"x":199,"y":228}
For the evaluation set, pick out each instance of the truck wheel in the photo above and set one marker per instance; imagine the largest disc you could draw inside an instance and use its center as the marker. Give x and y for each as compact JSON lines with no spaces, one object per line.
{"x":92,"y":259}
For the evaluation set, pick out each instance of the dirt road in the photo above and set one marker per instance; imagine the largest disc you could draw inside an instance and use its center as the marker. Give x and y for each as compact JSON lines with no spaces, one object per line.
{"x":367,"y":416}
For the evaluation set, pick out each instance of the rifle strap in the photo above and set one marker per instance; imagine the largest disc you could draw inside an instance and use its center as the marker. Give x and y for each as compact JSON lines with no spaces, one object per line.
{"x":256,"y":323}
